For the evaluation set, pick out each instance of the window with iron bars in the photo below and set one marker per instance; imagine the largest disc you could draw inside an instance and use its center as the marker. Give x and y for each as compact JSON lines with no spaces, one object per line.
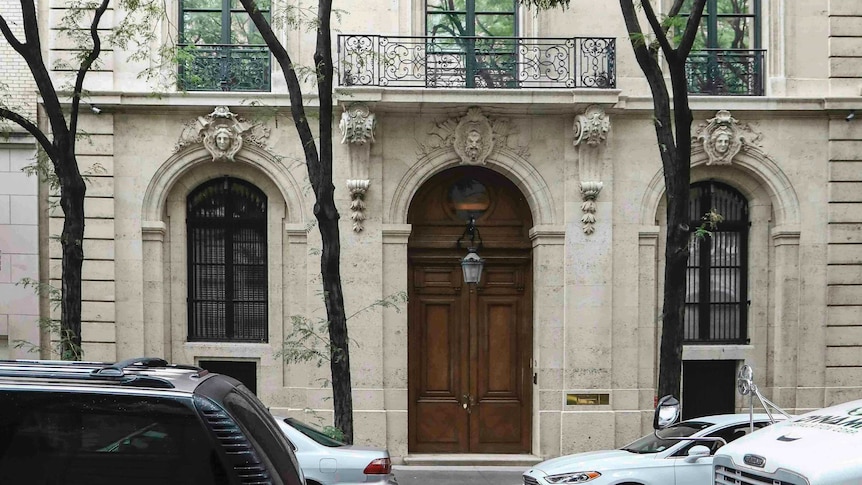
{"x":227,"y":262}
{"x":716,"y":303}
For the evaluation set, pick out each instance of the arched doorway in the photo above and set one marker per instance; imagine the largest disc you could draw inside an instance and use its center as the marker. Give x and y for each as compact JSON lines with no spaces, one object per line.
{"x":470,"y":346}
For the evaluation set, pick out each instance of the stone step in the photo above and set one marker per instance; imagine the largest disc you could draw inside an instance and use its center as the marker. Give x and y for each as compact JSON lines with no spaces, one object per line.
{"x":471,"y":460}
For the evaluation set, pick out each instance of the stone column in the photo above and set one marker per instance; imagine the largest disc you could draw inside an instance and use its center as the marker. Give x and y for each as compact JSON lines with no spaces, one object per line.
{"x":548,"y":353}
{"x":157,"y":334}
{"x":395,"y":343}
{"x":783,"y":331}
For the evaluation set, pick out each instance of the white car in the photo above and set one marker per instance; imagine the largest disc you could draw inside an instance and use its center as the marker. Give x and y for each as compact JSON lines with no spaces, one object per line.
{"x":650,"y":460}
{"x":326,"y":461}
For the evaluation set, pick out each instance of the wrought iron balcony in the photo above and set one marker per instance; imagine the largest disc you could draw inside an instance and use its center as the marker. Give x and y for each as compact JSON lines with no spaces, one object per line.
{"x":476,"y":62}
{"x":224,"y":68}
{"x":726,"y":72}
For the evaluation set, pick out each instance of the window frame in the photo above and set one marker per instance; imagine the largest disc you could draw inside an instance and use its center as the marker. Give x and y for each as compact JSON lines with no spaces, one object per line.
{"x":471,"y":51}
{"x":229,"y":224}
{"x":225,"y":42}
{"x":704,"y":265}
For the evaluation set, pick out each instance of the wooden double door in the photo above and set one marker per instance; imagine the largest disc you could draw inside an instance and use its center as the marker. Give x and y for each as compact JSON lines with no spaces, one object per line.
{"x":470,"y":380}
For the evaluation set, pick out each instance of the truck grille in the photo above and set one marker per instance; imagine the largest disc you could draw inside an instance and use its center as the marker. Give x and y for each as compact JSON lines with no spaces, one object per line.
{"x":530,"y":481}
{"x":731,"y":476}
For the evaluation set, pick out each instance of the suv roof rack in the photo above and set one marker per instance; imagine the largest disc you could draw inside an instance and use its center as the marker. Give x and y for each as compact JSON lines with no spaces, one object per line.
{"x":114,"y":373}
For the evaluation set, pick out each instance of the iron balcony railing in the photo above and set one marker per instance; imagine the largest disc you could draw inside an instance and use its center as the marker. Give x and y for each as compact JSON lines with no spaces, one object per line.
{"x":476,"y":62}
{"x":726,"y":72}
{"x":219,"y":67}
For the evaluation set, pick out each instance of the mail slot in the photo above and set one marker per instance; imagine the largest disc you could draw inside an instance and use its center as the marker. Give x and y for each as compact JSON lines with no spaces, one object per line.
{"x":594,"y":399}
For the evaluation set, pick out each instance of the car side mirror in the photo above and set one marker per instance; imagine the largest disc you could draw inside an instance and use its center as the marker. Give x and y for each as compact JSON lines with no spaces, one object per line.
{"x":666,"y":412}
{"x":696,"y":452}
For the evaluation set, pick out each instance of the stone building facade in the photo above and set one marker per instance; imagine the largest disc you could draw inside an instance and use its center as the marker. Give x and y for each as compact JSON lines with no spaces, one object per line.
{"x":201,"y":244}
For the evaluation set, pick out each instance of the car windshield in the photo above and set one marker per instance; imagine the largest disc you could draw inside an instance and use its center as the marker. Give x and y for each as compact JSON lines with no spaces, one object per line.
{"x":314,"y":433}
{"x":651,"y":444}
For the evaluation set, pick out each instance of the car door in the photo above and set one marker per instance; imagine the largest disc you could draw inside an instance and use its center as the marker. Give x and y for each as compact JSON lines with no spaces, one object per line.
{"x":700,"y":471}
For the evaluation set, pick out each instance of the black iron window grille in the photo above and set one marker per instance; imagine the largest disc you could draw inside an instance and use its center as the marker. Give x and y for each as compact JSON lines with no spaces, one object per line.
{"x":716,"y":303}
{"x":220,"y":48}
{"x":727,"y":57}
{"x":477,"y":62}
{"x":227,"y":262}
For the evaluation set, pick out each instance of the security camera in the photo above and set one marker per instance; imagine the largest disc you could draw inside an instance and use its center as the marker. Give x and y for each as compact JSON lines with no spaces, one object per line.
{"x":96,"y":110}
{"x":851,"y":116}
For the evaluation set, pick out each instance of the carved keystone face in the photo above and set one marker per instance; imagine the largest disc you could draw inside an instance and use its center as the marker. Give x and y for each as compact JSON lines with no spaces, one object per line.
{"x":223,"y":140}
{"x":722,"y":143}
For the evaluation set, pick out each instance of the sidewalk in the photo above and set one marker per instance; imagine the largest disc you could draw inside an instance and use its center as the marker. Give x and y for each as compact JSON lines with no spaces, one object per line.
{"x":458,"y":475}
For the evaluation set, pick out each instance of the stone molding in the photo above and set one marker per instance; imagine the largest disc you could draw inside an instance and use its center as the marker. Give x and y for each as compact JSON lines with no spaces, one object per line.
{"x":175,"y":168}
{"x":357,"y":131}
{"x":296,"y":233}
{"x":153,"y":231}
{"x":222,"y":133}
{"x":722,"y":137}
{"x":396,"y":233}
{"x":547,"y":235}
{"x":751,"y":163}
{"x":503,"y":160}
{"x":786,"y":235}
{"x":591,"y":132}
{"x":489,"y":134}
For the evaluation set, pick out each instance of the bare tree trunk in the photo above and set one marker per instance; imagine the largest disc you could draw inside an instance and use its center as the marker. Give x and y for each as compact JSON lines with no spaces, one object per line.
{"x":673,"y":132}
{"x":72,"y":242}
{"x":319,"y":166}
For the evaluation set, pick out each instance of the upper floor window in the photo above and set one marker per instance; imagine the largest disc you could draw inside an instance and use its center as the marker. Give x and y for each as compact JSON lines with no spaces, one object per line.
{"x":716,"y":303}
{"x":472,"y":43}
{"x":227,"y":245}
{"x":222,"y":49}
{"x":727,"y":57}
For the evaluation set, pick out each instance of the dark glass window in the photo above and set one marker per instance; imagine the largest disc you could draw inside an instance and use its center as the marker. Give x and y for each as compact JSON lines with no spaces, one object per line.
{"x":101,"y":439}
{"x":222,"y":49}
{"x":227,"y":274}
{"x":471,"y":43}
{"x":468,"y":198}
{"x":716,"y":305}
{"x":727,"y":56}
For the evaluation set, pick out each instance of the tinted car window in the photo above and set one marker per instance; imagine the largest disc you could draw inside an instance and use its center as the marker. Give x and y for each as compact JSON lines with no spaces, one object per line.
{"x":317,"y":435}
{"x":729,"y":434}
{"x":652,"y":444}
{"x":96,"y":439}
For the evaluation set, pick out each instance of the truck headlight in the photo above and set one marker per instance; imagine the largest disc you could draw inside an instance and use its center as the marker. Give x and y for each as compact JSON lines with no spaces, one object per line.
{"x":576,"y":477}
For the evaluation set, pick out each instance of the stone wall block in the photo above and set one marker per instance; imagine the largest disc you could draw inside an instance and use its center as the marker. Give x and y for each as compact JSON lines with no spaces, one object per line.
{"x":93,"y":270}
{"x":587,"y":431}
{"x":845,"y":171}
{"x":844,"y":233}
{"x":93,"y":229}
{"x":845,"y":212}
{"x":93,"y":248}
{"x":845,"y":7}
{"x":844,"y":315}
{"x":845,"y":46}
{"x":843,"y":376}
{"x":99,"y":352}
{"x":845,"y":191}
{"x":845,"y":26}
{"x":844,"y":335}
{"x":844,"y":294}
{"x":846,"y":149}
{"x":843,"y":357}
{"x":104,"y":332}
{"x":844,"y":253}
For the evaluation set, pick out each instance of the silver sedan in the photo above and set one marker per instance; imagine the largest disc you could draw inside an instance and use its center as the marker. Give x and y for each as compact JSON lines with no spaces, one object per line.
{"x":326,"y":461}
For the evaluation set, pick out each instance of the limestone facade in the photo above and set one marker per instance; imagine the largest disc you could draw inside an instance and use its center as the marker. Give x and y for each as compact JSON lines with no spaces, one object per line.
{"x":586,"y":163}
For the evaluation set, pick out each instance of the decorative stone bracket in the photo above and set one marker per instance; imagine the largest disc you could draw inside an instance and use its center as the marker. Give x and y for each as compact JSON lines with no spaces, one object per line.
{"x":357,"y":130}
{"x":591,"y":130}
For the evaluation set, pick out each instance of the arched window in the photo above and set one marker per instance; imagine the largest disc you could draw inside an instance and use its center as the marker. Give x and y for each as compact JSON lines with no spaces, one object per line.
{"x":227,"y":300}
{"x":716,"y":304}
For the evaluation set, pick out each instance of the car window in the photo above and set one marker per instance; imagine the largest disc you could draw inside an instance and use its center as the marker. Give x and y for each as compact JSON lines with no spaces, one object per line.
{"x":93,"y":438}
{"x":312,"y":432}
{"x":652,"y":444}
{"x":729,"y":434}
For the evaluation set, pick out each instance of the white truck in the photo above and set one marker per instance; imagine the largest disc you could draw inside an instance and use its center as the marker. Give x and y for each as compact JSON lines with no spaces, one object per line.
{"x":823,"y":447}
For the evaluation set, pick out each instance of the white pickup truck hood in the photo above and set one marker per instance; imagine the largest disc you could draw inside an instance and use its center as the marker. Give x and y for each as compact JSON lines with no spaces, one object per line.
{"x":824,"y":446}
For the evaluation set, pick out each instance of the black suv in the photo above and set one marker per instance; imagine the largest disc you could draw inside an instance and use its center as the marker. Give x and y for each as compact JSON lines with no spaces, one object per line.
{"x":140,"y":421}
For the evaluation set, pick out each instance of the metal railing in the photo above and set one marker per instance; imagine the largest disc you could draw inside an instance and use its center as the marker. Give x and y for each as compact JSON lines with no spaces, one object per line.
{"x":476,"y":62}
{"x":224,"y":68}
{"x":727,"y":72}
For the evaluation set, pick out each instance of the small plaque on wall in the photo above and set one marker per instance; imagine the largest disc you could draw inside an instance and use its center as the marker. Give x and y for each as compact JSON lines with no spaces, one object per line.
{"x":587,"y":399}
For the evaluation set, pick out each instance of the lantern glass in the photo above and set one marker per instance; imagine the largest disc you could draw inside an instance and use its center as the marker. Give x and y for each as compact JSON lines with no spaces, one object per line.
{"x":472,"y":265}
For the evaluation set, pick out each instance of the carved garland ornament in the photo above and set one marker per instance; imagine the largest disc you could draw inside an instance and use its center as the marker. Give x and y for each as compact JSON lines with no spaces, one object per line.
{"x":473,"y":136}
{"x":591,"y":131}
{"x":723,"y":137}
{"x":222,"y":133}
{"x":357,"y":130}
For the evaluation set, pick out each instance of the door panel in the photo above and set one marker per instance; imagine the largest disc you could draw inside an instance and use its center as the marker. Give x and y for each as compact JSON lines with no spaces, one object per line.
{"x":437,"y":366}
